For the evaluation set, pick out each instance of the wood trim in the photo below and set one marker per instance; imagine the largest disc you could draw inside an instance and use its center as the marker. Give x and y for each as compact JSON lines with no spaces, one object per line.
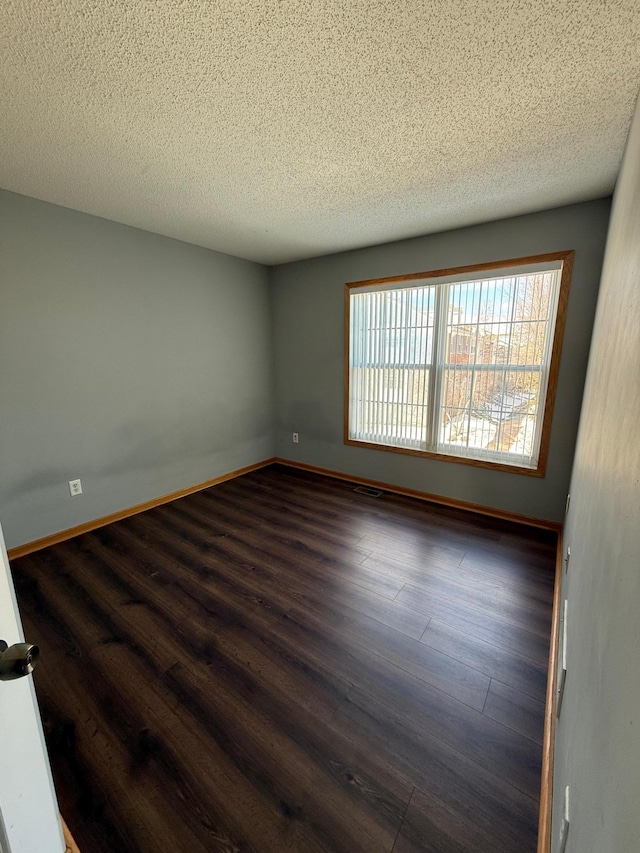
{"x":554,"y":365}
{"x":444,"y":457}
{"x":71,"y":846}
{"x":69,"y":533}
{"x":492,"y":265}
{"x":346,"y":390}
{"x":567,"y":258}
{"x":442,"y":500}
{"x":548,"y":741}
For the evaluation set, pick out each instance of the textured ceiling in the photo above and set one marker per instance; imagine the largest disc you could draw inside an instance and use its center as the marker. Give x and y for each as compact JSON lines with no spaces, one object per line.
{"x":292,"y":128}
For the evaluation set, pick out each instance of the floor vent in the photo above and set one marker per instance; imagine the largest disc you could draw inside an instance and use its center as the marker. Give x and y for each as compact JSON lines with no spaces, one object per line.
{"x":363,"y":490}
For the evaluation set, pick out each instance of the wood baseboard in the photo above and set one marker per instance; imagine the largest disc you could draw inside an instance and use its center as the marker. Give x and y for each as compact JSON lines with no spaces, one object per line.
{"x":69,"y":533}
{"x":426,"y":496}
{"x":71,"y":846}
{"x":548,"y":740}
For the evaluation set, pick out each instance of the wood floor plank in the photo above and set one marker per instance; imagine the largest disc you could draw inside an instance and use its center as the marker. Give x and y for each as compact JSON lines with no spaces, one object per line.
{"x":442,"y":671}
{"x":530,"y":645}
{"x":492,"y":660}
{"x":355,"y":658}
{"x":281,"y":555}
{"x":415,"y":550}
{"x":497,"y":604}
{"x":351,"y":627}
{"x":511,"y":561}
{"x":345,"y":584}
{"x":492,"y":747}
{"x":151,"y":591}
{"x":445,"y":673}
{"x":519,"y":711}
{"x":120,"y":802}
{"x":280,"y":663}
{"x":143,"y":719}
{"x":293,"y":508}
{"x":310,"y":537}
{"x":324,"y":650}
{"x":523,"y":592}
{"x":222,"y":706}
{"x":500,"y":811}
{"x":431,"y":825}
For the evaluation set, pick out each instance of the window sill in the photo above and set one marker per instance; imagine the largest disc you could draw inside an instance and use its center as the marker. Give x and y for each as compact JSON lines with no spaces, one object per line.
{"x":443,"y":457}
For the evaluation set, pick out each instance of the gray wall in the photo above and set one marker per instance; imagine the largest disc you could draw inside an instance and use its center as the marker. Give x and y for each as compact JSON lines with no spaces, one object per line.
{"x":144,"y":365}
{"x":135,"y":362}
{"x":308,"y":316}
{"x":598,"y":734}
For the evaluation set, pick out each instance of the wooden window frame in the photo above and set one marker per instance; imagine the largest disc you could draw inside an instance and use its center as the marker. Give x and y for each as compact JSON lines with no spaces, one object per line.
{"x":566,"y":257}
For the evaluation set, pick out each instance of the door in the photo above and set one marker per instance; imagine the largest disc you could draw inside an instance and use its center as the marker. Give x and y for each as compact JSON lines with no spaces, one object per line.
{"x":29,"y":820}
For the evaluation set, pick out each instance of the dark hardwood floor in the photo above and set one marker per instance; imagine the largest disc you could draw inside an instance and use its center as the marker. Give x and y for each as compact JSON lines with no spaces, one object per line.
{"x":280,"y":663}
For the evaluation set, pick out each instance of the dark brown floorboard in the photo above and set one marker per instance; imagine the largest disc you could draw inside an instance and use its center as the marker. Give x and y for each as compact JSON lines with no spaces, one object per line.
{"x":282,"y":664}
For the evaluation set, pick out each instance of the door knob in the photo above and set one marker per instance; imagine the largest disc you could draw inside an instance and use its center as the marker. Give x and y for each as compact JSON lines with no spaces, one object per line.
{"x":17,"y":660}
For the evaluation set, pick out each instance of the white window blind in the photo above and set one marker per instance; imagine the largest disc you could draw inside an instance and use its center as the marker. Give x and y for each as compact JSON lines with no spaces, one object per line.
{"x":457,"y":366}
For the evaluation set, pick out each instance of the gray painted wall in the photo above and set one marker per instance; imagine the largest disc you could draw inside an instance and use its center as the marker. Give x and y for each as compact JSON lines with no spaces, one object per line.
{"x":135,"y":362}
{"x":144,"y":365}
{"x":598,"y":734}
{"x":308,"y":313}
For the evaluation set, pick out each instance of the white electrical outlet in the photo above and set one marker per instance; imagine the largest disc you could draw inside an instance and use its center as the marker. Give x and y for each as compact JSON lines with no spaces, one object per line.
{"x":562,"y":676}
{"x":296,"y":438}
{"x":564,"y":827}
{"x":75,"y":487}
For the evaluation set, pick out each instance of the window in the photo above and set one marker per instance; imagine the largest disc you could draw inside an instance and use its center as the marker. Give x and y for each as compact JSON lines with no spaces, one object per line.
{"x":459,"y":364}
